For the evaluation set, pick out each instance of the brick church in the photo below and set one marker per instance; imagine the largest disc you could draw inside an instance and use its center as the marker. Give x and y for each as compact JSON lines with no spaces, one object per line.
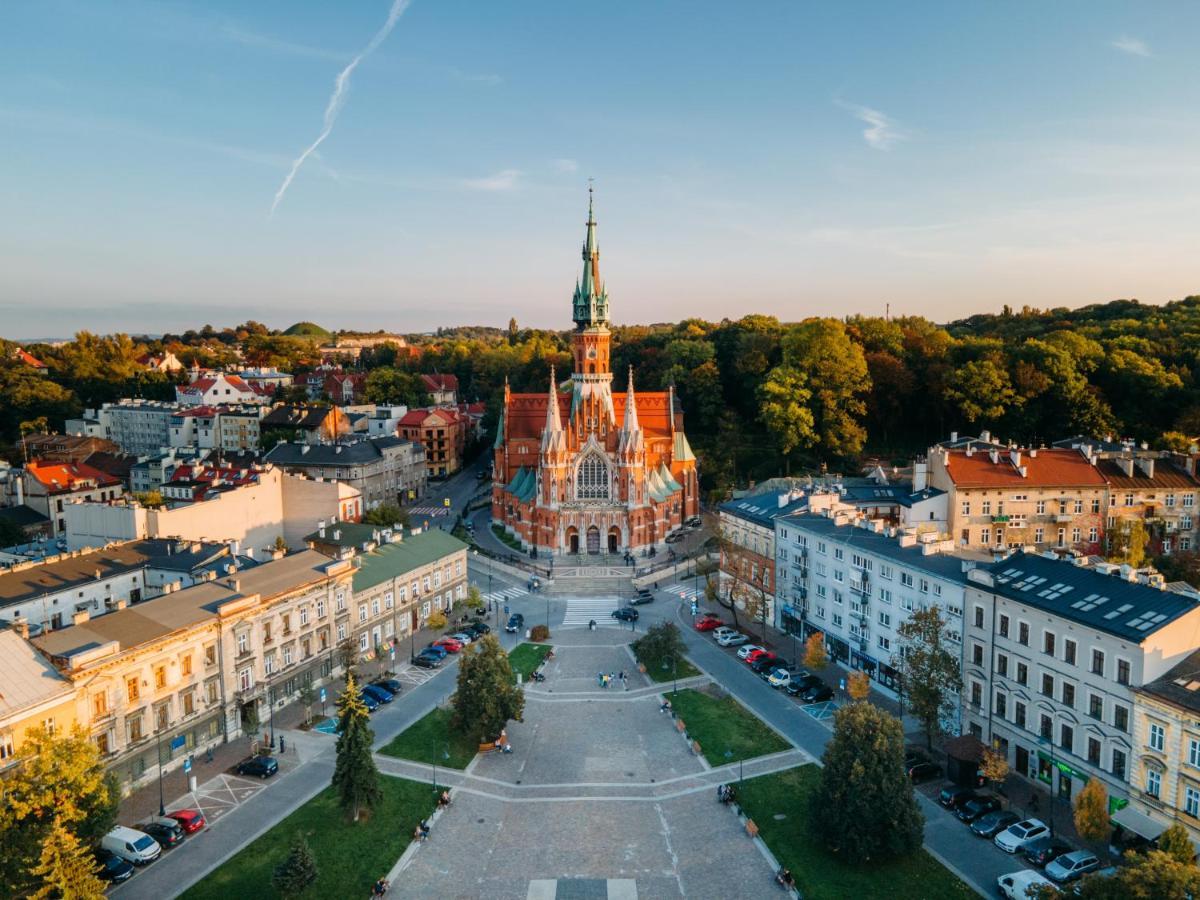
{"x":581,"y":469}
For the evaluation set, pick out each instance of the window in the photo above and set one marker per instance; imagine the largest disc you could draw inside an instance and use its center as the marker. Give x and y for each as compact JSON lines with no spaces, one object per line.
{"x":340,"y":600}
{"x":1069,"y":651}
{"x":1191,"y":802}
{"x":1093,"y":751}
{"x":1096,"y":706}
{"x":160,"y":677}
{"x":966,"y":507}
{"x":1153,"y":783}
{"x":341,"y":631}
{"x":131,"y":688}
{"x":1068,"y":694}
{"x":269,"y":663}
{"x":243,"y":643}
{"x":1121,"y":718}
{"x":364,"y":642}
{"x":1097,"y":662}
{"x":210,"y":655}
{"x":99,"y":704}
{"x":320,"y":609}
{"x":1019,"y":714}
{"x":1040,"y":508}
{"x":985,"y":535}
{"x":1023,"y":634}
{"x":1189,"y":500}
{"x":185,"y":665}
{"x":837,"y":620}
{"x":362,"y":612}
{"x":906,"y":579}
{"x":591,"y":478}
{"x":987,"y":507}
{"x":1022,"y":673}
{"x":1194,"y":753}
{"x":924,"y":586}
{"x":1093,"y":534}
{"x":1003,"y":625}
{"x":1129,"y":499}
{"x":1039,"y":535}
{"x":1002,"y":665}
{"x":189,"y":703}
{"x":1158,"y":736}
{"x":1048,"y":643}
{"x":1048,"y":685}
{"x":884,"y":643}
{"x":976,"y":694}
{"x":979,"y":617}
{"x":210,"y":691}
{"x":977,"y":654}
{"x":1001,"y":705}
{"x":387,"y":600}
{"x":303,"y":616}
{"x":1046,"y":727}
{"x":1066,"y":737}
{"x":246,"y":679}
{"x":885,"y":620}
{"x":1122,"y":671}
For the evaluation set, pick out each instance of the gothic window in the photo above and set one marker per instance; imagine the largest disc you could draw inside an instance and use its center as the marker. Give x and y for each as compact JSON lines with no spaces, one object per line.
{"x":592,"y":482}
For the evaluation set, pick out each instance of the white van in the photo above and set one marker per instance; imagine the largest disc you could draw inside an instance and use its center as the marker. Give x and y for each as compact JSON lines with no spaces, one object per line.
{"x":1015,"y":885}
{"x":131,"y":845}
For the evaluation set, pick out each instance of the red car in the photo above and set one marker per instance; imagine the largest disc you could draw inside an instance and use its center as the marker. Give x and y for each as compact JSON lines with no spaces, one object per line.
{"x":190,"y":820}
{"x":708,"y":622}
{"x":760,"y":654}
{"x":452,"y":645}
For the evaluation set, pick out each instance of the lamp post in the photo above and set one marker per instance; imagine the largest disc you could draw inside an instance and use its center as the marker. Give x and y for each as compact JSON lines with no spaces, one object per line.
{"x":1049,"y":742}
{"x":162,"y":805}
{"x":674,"y":674}
{"x":271,"y":708}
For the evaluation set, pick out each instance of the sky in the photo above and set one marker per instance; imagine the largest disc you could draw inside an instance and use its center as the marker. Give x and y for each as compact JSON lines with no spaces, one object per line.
{"x":382,"y":164}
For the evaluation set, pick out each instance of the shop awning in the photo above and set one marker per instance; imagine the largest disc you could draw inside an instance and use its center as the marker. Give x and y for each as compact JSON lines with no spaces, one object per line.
{"x":1141,"y":825}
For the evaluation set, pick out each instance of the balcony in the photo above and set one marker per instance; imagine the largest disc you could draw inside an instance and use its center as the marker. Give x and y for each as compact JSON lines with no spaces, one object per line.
{"x":861,"y":588}
{"x":1063,"y":517}
{"x":1000,"y":520}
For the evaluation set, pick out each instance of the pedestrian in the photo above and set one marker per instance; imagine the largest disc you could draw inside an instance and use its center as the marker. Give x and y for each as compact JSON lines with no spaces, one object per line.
{"x":282,"y":745}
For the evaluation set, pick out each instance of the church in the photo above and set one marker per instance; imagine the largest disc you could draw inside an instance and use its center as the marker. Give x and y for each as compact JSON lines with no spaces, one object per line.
{"x":581,"y":469}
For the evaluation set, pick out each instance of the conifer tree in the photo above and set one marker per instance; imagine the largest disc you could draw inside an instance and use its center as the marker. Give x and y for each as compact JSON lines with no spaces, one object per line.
{"x":863,"y":779}
{"x":486,"y":698}
{"x":65,"y":870}
{"x":355,"y":777}
{"x":296,"y":872}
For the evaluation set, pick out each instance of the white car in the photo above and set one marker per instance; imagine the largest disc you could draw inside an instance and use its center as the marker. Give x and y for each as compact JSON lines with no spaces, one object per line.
{"x":718,"y":633}
{"x":732,"y":639}
{"x":747,"y":649}
{"x":131,"y":845}
{"x":1015,"y":837}
{"x":463,"y":638}
{"x":1072,"y":865}
{"x":1016,"y":885}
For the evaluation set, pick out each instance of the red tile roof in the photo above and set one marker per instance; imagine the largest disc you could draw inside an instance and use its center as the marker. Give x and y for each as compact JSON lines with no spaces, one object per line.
{"x":60,"y":478}
{"x":28,"y":358}
{"x":1166,"y":475}
{"x":1049,"y":468}
{"x":526,"y":413}
{"x":417,"y":417}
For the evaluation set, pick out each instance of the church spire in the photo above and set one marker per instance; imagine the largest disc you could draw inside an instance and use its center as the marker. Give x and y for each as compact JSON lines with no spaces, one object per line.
{"x":552,"y":437}
{"x":631,"y":416}
{"x":590,"y":303}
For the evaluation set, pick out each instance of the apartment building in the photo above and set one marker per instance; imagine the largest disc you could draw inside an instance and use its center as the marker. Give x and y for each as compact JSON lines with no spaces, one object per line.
{"x":1001,"y":498}
{"x":443,"y":433}
{"x":200,"y":666}
{"x":1155,"y":490}
{"x":34,"y":695}
{"x":384,"y":469}
{"x":214,"y":388}
{"x":48,"y":488}
{"x":1054,"y":653}
{"x":857,"y":580}
{"x":747,"y":527}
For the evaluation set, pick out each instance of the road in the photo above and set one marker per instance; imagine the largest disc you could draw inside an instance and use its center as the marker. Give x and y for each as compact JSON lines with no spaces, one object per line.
{"x":431,"y":510}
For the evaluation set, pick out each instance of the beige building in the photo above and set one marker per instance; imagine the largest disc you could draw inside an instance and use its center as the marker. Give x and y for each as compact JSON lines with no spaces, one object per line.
{"x":33,"y":695}
{"x":197,"y":667}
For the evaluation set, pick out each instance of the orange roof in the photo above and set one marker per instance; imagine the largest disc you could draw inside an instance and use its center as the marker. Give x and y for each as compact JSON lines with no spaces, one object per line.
{"x":525,"y":416}
{"x":28,"y":358}
{"x":64,"y":477}
{"x":1049,"y":468}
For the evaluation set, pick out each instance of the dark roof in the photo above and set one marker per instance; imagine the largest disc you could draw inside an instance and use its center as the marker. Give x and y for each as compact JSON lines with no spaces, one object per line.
{"x":23,"y":516}
{"x":344,"y":454}
{"x":762,"y":509}
{"x":878,"y":543}
{"x":1180,"y":685}
{"x":918,"y":496}
{"x":115,"y":464}
{"x":345,"y":534}
{"x":1166,"y":475}
{"x":1128,"y":609}
{"x":306,"y":417}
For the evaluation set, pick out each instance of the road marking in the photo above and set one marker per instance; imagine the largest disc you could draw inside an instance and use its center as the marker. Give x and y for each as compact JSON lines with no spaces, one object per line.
{"x":505,"y":595}
{"x":581,"y":610}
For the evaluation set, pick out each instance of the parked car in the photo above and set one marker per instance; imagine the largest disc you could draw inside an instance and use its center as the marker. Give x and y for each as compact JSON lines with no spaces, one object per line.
{"x":376,"y":693}
{"x":370,"y":702}
{"x":675,"y":536}
{"x":190,"y":820}
{"x":717,"y":633}
{"x":131,"y":845}
{"x":515,"y":623}
{"x":1015,"y":837}
{"x":980,"y":806}
{"x":924,"y":771}
{"x":993,"y":823}
{"x":428,"y":661}
{"x":480,"y":628}
{"x":391,"y":685}
{"x":625,"y":614}
{"x":952,"y":796}
{"x":166,"y":831}
{"x":708,"y":622}
{"x":465,"y":637}
{"x":746,"y":649}
{"x":1073,"y":865}
{"x":817,"y":693}
{"x":437,"y":650}
{"x":732,"y":639}
{"x":261,"y":766}
{"x":760,"y":653}
{"x":781,"y":676}
{"x":452,"y":645}
{"x":1045,"y":850}
{"x":113,"y":868}
{"x":1016,"y":885}
{"x":694,"y":522}
{"x":763,"y":665}
{"x":798,"y":686}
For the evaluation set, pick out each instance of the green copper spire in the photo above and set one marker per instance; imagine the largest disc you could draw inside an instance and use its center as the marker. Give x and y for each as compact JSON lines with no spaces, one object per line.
{"x":590,"y":303}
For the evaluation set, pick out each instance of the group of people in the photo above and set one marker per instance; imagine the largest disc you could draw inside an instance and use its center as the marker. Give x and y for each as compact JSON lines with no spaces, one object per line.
{"x":421,"y":832}
{"x":380,"y":888}
{"x":784,"y":877}
{"x":726,"y":793}
{"x":604,"y":679}
{"x":444,"y":799}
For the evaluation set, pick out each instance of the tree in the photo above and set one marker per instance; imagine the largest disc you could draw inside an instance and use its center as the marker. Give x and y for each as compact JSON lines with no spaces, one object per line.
{"x":858,"y":685}
{"x":152,"y":499}
{"x":474,"y":599}
{"x":58,"y":779}
{"x":280,"y":543}
{"x":389,"y":385}
{"x":66,"y":869}
{"x":347,"y":655}
{"x":355,"y":777}
{"x":1150,"y":876}
{"x":981,"y":389}
{"x":297,"y":871}
{"x":783,"y":407}
{"x":436,"y":620}
{"x":487,"y":697}
{"x":993,"y":766}
{"x":928,"y":670}
{"x":386,"y":515}
{"x":1091,"y":811}
{"x":307,"y":695}
{"x":1127,"y":542}
{"x":661,"y":644}
{"x":815,"y":655}
{"x":863,"y":779}
{"x":1176,"y":844}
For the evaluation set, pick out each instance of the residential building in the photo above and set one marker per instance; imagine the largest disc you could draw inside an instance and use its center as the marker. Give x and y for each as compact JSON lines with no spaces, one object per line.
{"x":586,"y":469}
{"x":1002,"y":498}
{"x":747,"y":527}
{"x":384,"y":421}
{"x":385,"y":469}
{"x":136,"y":426}
{"x":265,"y":380}
{"x":201,"y":666}
{"x":161,"y":362}
{"x":48,"y":488}
{"x":196,"y":481}
{"x":1155,"y":490}
{"x":70,"y":447}
{"x":442,"y":432}
{"x":858,"y":580}
{"x":341,"y":540}
{"x":310,"y":424}
{"x":213,"y":388}
{"x":399,"y":584}
{"x":273,"y":505}
{"x":1054,"y":652}
{"x":149,"y":473}
{"x":230,"y":428}
{"x":34,"y":695}
{"x":442,"y":389}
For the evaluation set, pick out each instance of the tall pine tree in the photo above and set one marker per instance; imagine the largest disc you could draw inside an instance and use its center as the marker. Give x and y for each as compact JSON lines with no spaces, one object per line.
{"x":864,"y":780}
{"x":355,"y":777}
{"x":66,"y":870}
{"x":486,"y":698}
{"x":296,"y":872}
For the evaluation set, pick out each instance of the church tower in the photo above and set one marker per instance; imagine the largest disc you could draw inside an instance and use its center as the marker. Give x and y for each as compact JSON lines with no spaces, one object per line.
{"x":591,"y":402}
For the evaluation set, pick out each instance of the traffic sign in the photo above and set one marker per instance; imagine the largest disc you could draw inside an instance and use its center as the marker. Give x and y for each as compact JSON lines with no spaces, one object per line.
{"x":506,"y":609}
{"x":446,"y":502}
{"x":322,"y":695}
{"x":187,"y":766}
{"x":392,"y":654}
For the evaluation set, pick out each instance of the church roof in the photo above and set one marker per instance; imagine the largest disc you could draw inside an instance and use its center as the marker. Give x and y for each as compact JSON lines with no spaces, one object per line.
{"x":523,"y":484}
{"x":526,"y":414}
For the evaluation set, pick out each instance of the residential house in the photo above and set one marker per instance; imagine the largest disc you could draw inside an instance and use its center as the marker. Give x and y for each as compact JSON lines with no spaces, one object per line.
{"x":34,"y":695}
{"x":385,"y":469}
{"x":442,"y":389}
{"x":213,"y":388}
{"x":1155,"y":490}
{"x":27,"y":359}
{"x":49,"y":487}
{"x":71,"y":447}
{"x":161,"y":362}
{"x":311,"y":424}
{"x":443,"y":434}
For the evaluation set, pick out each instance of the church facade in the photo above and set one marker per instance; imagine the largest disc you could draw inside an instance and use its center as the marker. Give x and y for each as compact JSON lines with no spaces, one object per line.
{"x":581,"y":469}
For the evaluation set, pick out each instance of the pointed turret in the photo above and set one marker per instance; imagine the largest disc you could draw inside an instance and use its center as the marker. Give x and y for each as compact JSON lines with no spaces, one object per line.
{"x":631,"y":416}
{"x":553,"y":438}
{"x":590,"y":303}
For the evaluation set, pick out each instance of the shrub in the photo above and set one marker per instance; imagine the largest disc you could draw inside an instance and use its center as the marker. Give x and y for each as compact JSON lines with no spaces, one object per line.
{"x":539,"y":633}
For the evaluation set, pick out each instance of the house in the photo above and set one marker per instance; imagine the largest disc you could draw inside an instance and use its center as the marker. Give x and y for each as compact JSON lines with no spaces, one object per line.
{"x":1153,"y":489}
{"x":747,"y":527}
{"x":385,"y":420}
{"x":27,"y":359}
{"x":198,"y":481}
{"x":161,"y":362}
{"x":442,"y":389}
{"x":34,"y":695}
{"x":1054,"y":651}
{"x":384,"y":469}
{"x":49,"y":487}
{"x":443,"y":434}
{"x":313,"y":424}
{"x":212,"y":388}
{"x":69,"y":447}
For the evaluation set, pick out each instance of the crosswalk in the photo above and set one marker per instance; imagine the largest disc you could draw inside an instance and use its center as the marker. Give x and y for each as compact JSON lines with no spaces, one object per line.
{"x":687,"y":592}
{"x":428,"y":511}
{"x":506,"y":594}
{"x":581,"y":610}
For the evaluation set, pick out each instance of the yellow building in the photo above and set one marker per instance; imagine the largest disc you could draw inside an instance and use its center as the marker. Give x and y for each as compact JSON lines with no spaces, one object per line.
{"x":32,"y":693}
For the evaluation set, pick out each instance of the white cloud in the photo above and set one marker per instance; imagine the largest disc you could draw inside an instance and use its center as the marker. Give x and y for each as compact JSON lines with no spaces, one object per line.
{"x":566,"y":165}
{"x":504,"y":180}
{"x":1131,"y":45}
{"x":882,"y":131}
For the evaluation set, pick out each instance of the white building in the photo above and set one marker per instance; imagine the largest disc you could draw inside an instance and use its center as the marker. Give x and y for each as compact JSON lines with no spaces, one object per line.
{"x":384,"y":420}
{"x":214,"y":388}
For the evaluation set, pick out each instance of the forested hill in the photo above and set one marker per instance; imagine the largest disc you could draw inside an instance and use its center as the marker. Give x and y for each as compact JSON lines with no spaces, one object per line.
{"x":760,"y":396}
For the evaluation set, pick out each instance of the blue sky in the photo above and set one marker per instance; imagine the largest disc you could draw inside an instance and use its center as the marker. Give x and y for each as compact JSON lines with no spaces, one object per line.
{"x":787,"y":158}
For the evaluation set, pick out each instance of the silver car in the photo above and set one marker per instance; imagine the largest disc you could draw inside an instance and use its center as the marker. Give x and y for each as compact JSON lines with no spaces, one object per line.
{"x":1072,"y":865}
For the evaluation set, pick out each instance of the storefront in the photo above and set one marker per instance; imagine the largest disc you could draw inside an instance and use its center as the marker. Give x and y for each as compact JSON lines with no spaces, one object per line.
{"x":1068,"y":776}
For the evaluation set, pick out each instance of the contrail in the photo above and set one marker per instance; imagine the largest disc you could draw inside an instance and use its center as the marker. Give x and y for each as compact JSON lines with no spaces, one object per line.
{"x":339,"y":90}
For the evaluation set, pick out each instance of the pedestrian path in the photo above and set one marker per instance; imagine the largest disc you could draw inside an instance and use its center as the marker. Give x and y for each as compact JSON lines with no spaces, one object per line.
{"x":505,"y":594}
{"x":581,"y":610}
{"x":429,"y":511}
{"x":686,"y":592}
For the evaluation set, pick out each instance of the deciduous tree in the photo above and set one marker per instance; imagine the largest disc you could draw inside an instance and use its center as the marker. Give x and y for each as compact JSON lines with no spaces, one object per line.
{"x":1176,"y":844}
{"x":66,"y":869}
{"x":816,"y":657}
{"x":929,"y":671}
{"x":1127,"y":542}
{"x":858,"y":685}
{"x":993,"y":767}
{"x":662,"y":643}
{"x":355,"y":777}
{"x":1091,"y":811}
{"x":386,"y":515}
{"x":486,"y":699}
{"x":1150,"y":876}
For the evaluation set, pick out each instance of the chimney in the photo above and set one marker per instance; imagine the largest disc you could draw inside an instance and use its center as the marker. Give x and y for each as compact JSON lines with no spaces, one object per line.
{"x":1146,"y":464}
{"x":80,"y":617}
{"x":121,"y":604}
{"x":1015,"y":456}
{"x":970,"y":450}
{"x":994,"y":455}
{"x":99,"y":574}
{"x":21,"y":626}
{"x":1033,"y":453}
{"x":235,"y":583}
{"x":321,"y":528}
{"x":337,"y":534}
{"x":954,"y":437}
{"x":1126,"y":464}
{"x":985,"y":436}
{"x":920,"y":477}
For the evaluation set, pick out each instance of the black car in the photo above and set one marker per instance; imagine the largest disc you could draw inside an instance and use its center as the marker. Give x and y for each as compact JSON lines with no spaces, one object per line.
{"x":262,"y":766}
{"x":1044,"y":850}
{"x":625,"y":614}
{"x":377,"y":693}
{"x":166,"y":835}
{"x":920,"y":772}
{"x":993,"y":823}
{"x":817,"y":693}
{"x":428,"y":661}
{"x":953,"y":796}
{"x":980,"y":806}
{"x":113,"y":869}
{"x":391,"y":685}
{"x":480,"y":628}
{"x":798,"y":686}
{"x":515,"y":623}
{"x":763,"y":667}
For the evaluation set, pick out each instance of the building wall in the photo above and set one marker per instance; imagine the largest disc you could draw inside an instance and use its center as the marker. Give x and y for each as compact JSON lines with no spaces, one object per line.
{"x":57,"y":713}
{"x":54,"y":610}
{"x":1174,"y":797}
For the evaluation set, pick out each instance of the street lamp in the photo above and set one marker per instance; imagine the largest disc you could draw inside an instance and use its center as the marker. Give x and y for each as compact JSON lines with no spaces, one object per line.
{"x":674,"y":674}
{"x":271,"y":706}
{"x":445,"y":756}
{"x":162,"y":806}
{"x":1050,"y":743}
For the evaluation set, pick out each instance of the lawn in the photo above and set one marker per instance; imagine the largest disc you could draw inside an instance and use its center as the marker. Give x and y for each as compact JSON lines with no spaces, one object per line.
{"x":724,"y":724}
{"x":425,"y":740}
{"x":657,"y":673}
{"x":349,"y":857}
{"x":796,"y":842}
{"x":524,"y":658}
